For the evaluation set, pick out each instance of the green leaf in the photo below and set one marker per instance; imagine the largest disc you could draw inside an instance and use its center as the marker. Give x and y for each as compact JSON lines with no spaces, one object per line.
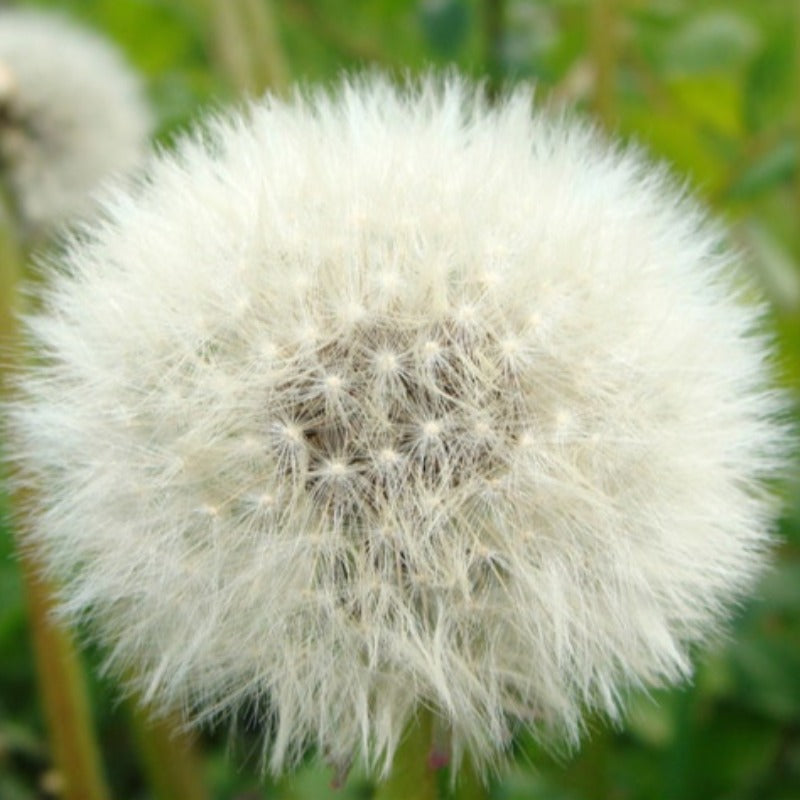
{"x":712,"y":101}
{"x":767,"y":674}
{"x":769,"y":86}
{"x":772,"y":168}
{"x":668,"y":135}
{"x":445,"y":24}
{"x":713,"y":40}
{"x":733,"y":751}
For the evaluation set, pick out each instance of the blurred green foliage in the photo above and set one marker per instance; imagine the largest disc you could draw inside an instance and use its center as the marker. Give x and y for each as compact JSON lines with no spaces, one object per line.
{"x":711,"y":86}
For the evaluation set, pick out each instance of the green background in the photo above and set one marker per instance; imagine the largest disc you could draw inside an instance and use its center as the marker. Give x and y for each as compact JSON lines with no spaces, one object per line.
{"x":714,"y":88}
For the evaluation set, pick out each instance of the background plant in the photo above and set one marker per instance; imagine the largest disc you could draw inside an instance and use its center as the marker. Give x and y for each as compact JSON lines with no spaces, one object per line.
{"x":711,"y":86}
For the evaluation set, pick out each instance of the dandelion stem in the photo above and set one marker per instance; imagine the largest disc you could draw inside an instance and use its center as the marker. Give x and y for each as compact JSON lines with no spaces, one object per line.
{"x":412,"y":777}
{"x":63,"y":691}
{"x":469,"y":783}
{"x":169,"y":756}
{"x":66,"y":705}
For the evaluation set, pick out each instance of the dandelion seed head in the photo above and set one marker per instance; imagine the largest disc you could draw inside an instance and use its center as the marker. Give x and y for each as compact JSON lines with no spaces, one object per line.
{"x":480,"y":424}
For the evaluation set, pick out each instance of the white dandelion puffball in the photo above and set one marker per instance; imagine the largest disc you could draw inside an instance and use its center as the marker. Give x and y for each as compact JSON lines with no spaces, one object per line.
{"x":379,"y":399}
{"x":72,"y":113}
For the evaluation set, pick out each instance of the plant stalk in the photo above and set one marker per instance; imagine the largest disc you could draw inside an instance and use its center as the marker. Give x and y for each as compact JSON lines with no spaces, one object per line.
{"x":411,"y":776}
{"x":170,"y":759}
{"x":65,"y":701}
{"x":63,"y":692}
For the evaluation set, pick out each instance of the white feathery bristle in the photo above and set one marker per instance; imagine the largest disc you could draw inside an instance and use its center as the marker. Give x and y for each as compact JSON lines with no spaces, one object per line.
{"x":72,"y":115}
{"x":384,"y":398}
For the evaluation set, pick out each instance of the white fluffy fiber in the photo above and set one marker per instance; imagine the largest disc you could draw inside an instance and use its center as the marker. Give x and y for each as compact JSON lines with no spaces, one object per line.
{"x":72,"y":113}
{"x":377,"y":399}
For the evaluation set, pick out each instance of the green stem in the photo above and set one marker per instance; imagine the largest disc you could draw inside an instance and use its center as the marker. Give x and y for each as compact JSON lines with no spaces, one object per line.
{"x":170,"y":759}
{"x":411,"y":777}
{"x":62,"y":688}
{"x":469,"y":785}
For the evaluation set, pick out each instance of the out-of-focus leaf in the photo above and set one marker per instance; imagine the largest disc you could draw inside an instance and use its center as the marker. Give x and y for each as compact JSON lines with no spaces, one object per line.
{"x":314,"y":781}
{"x":633,"y":774}
{"x":770,"y":88}
{"x":529,"y":784}
{"x":669,"y":136}
{"x":778,"y":165}
{"x":764,"y":656}
{"x":713,"y":40}
{"x":733,"y":750}
{"x":767,"y":673}
{"x":18,"y":739}
{"x":11,"y":599}
{"x":713,"y":675}
{"x":12,"y":788}
{"x":445,"y":24}
{"x":780,"y":590}
{"x":712,"y":101}
{"x":789,"y":530}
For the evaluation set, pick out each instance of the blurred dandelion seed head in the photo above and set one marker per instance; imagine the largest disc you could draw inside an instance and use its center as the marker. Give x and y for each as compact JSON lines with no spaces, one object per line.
{"x":380,"y":398}
{"x":72,"y":114}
